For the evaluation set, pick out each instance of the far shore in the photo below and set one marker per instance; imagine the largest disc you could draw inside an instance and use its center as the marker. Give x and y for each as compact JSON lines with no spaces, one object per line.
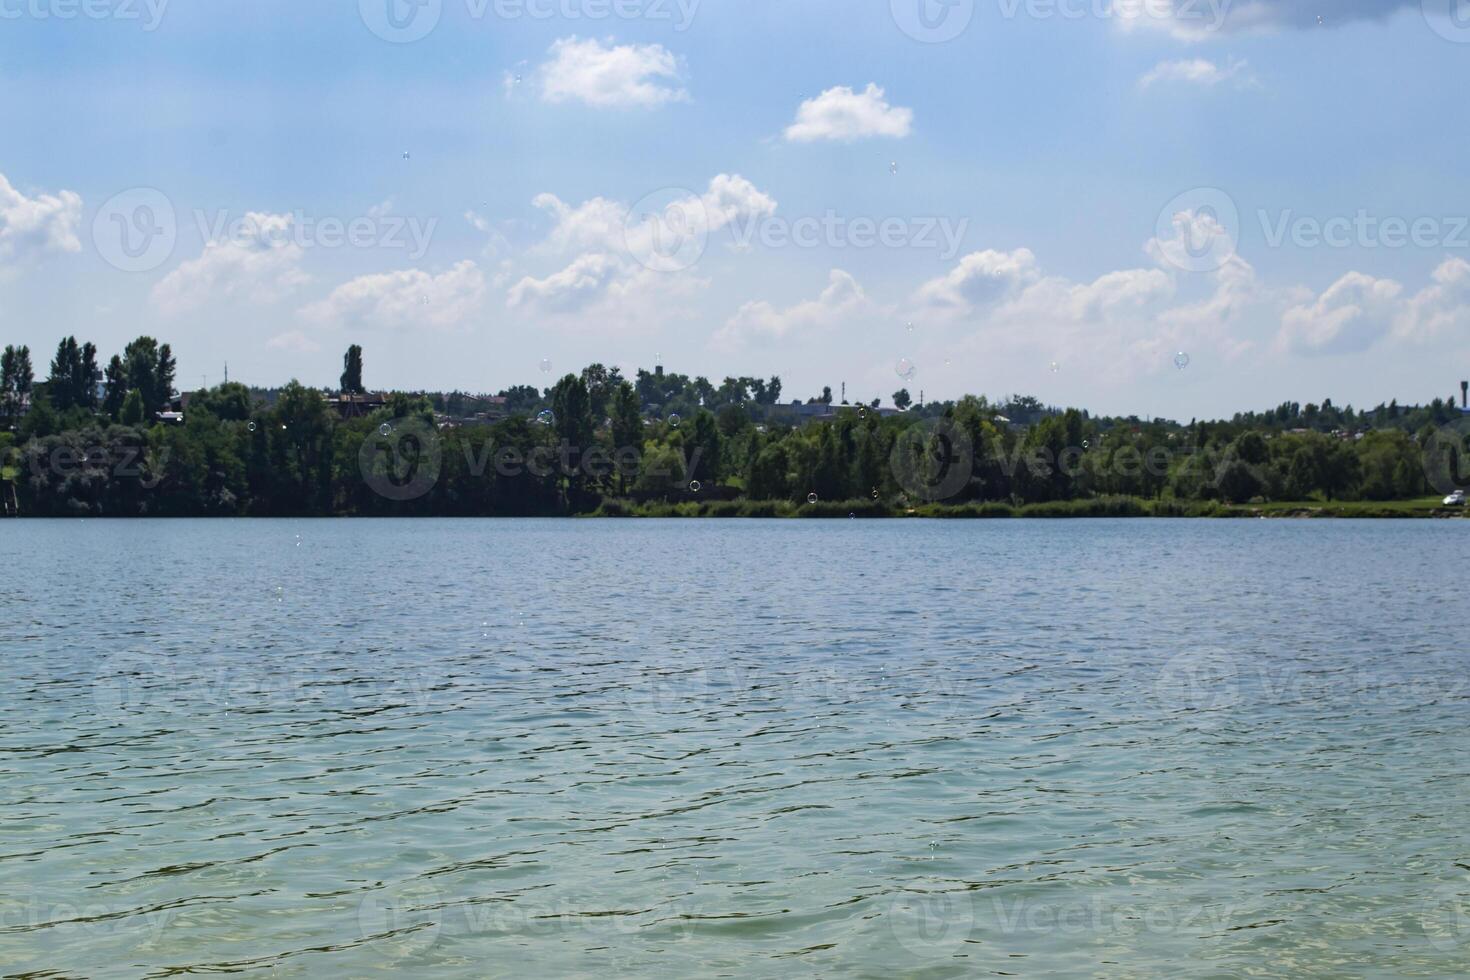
{"x":1426,"y":508}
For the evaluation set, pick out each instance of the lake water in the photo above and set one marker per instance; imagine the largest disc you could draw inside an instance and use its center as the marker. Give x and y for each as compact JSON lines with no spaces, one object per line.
{"x":510,"y":748}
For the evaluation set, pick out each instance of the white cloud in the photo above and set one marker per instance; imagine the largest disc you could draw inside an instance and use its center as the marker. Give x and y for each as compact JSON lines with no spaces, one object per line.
{"x":1439,"y":309}
{"x":406,"y":299}
{"x":979,"y":279}
{"x":842,"y":114}
{"x":1199,"y":72}
{"x":570,"y":289}
{"x":611,"y":76}
{"x":602,"y":245}
{"x":293,"y":342}
{"x":257,"y":262}
{"x":46,"y":222}
{"x":1196,"y":20}
{"x":842,"y":299}
{"x":1350,"y":315}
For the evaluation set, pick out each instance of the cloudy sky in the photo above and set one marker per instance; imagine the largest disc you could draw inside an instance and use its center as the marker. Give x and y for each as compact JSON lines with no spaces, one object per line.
{"x":1053,"y":197}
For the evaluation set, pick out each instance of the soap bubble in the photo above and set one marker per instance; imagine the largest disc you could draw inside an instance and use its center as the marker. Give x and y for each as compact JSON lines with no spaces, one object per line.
{"x":545,"y":417}
{"x":1055,"y":367}
{"x":905,"y":369}
{"x":406,"y":154}
{"x":545,"y":365}
{"x":893,"y":168}
{"x":811,"y":498}
{"x":251,"y":426}
{"x":695,"y":486}
{"x":674,"y":421}
{"x":909,"y":326}
{"x":1181,"y":360}
{"x":385,"y":429}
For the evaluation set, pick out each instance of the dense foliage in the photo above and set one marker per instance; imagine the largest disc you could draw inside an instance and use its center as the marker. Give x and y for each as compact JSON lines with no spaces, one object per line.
{"x":597,"y":443}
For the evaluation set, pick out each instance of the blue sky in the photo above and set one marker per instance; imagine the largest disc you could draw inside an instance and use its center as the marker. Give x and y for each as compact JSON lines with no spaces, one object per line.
{"x":705,"y":183}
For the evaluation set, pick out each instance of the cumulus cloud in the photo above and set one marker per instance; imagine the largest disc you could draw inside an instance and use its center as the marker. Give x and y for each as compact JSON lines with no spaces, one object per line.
{"x":293,"y":342}
{"x":842,"y":299}
{"x":1202,"y":19}
{"x":1199,"y":72}
{"x":405,"y":299}
{"x":256,"y":261}
{"x":979,"y":279}
{"x":1350,"y":315}
{"x":611,"y":249}
{"x":842,"y":114}
{"x":1438,"y":309}
{"x":611,"y":76}
{"x":45,"y":222}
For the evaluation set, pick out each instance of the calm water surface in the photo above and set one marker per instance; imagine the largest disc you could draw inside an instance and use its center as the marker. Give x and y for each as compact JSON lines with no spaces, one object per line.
{"x":1120,"y":749}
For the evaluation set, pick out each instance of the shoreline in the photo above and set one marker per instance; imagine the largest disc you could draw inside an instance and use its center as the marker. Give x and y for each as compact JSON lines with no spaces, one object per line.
{"x":1090,"y":509}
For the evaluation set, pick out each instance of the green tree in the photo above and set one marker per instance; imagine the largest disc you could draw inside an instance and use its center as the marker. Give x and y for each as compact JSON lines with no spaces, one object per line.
{"x":132,"y":408}
{"x":902,"y":399}
{"x":352,"y":371}
{"x":115,"y":380}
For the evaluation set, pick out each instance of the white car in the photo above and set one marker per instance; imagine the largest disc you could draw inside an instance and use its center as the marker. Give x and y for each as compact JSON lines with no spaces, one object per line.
{"x":1456,"y":499}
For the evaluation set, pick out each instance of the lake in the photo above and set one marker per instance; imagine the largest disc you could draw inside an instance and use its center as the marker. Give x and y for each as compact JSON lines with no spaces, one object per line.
{"x":501,"y":748}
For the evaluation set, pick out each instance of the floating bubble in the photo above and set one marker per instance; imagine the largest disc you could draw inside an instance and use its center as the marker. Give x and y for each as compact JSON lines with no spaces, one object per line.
{"x":909,"y":326}
{"x":251,"y":426}
{"x":1086,"y":444}
{"x":811,"y":498}
{"x":893,"y":168}
{"x":852,"y":517}
{"x":385,"y":429}
{"x":875,"y":493}
{"x":406,"y":155}
{"x":283,"y":425}
{"x":674,"y":421}
{"x":1181,"y":360}
{"x":546,"y":365}
{"x":1055,"y":367}
{"x":545,"y":417}
{"x":695,"y":486}
{"x":905,"y":369}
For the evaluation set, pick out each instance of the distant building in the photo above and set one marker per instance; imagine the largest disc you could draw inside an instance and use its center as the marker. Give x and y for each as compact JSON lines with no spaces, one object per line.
{"x":356,"y":406}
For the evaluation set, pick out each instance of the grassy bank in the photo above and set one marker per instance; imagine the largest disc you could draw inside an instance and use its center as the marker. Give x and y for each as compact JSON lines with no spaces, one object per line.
{"x":1425,"y":507}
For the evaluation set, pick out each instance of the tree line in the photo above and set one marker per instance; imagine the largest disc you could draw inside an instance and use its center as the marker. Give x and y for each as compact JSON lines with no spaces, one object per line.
{"x":90,"y":442}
